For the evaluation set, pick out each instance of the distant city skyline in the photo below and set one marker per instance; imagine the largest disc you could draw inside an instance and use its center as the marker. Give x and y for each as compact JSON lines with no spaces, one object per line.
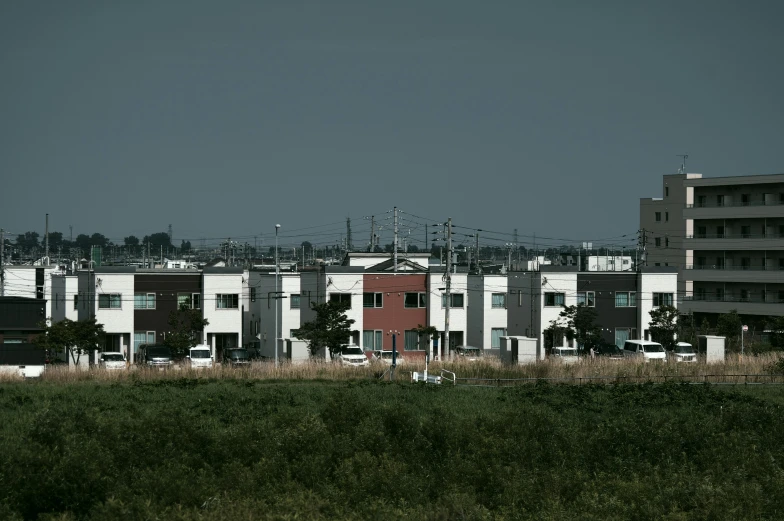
{"x":224,"y":119}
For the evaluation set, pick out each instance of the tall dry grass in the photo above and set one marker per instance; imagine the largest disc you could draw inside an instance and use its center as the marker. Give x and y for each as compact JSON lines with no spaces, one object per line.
{"x":484,"y":372}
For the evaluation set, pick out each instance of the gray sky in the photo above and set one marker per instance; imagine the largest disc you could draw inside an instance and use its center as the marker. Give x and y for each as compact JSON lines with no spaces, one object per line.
{"x":223,"y":118}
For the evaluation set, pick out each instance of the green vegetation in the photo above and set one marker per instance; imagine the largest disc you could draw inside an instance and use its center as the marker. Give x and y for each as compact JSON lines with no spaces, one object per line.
{"x":206,"y":449}
{"x":331,"y":328}
{"x":185,"y":328}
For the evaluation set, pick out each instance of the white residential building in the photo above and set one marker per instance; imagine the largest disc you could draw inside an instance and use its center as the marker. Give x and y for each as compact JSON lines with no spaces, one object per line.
{"x":32,"y":282}
{"x":223,"y":291}
{"x":107,"y":293}
{"x":436,"y":310}
{"x":65,"y":297}
{"x":486,"y":311}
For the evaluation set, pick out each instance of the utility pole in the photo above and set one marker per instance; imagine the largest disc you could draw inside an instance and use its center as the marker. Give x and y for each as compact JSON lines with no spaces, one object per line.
{"x":517,"y":247}
{"x":478,"y":269}
{"x":46,"y":233}
{"x":394,"y":243}
{"x":2,"y":260}
{"x":349,"y":245}
{"x":372,"y":233}
{"x":447,"y":348}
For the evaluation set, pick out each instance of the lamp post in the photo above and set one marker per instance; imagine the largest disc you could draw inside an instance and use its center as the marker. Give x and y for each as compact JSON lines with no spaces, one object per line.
{"x":277,"y":300}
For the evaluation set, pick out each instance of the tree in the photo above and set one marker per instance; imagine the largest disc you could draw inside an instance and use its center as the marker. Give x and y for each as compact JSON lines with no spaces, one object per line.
{"x":581,"y":325}
{"x":83,"y":243}
{"x":156,"y":240}
{"x":705,"y":326}
{"x":308,"y":248}
{"x":330,"y":329}
{"x":663,"y":325}
{"x":98,"y":239}
{"x":131,"y":240}
{"x":428,"y":332}
{"x":185,"y":325}
{"x":55,"y":240}
{"x":27,"y":241}
{"x":728,"y":325}
{"x":413,"y":248}
{"x":75,"y":337}
{"x":556,"y":330}
{"x":185,"y":246}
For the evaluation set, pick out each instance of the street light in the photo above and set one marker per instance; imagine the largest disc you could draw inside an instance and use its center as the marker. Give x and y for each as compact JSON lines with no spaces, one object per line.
{"x":277,"y":300}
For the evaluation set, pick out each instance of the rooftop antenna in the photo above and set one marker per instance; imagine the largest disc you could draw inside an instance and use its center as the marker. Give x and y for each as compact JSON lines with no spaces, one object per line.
{"x":683,"y":157}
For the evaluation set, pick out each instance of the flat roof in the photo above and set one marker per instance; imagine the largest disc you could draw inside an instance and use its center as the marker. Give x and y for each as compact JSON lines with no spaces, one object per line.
{"x":735,"y":180}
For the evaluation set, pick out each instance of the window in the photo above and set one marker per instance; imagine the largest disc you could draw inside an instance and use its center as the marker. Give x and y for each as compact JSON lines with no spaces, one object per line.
{"x":144,"y":301}
{"x":553,"y":299}
{"x":192,"y":300}
{"x":662,"y":299}
{"x":720,"y":294}
{"x":701,"y":262}
{"x":372,"y":300}
{"x":781,"y":295}
{"x":456,"y":298}
{"x":498,"y":300}
{"x":658,"y":242}
{"x":625,"y":299}
{"x":720,"y":232}
{"x":745,"y":231}
{"x":667,"y":217}
{"x":745,"y":199}
{"x":745,"y":263}
{"x":253,"y":294}
{"x":719,"y":200}
{"x":227,"y":301}
{"x":719,"y":263}
{"x":701,"y":201}
{"x":415,"y":300}
{"x":781,"y":267}
{"x":343,"y":298}
{"x":142,"y":337}
{"x":658,"y":217}
{"x":586,"y":298}
{"x":744,"y":295}
{"x":294,"y":300}
{"x":699,"y":294}
{"x":666,"y":242}
{"x":110,"y":301}
{"x":495,"y":337}
{"x":411,"y":341}
{"x":76,"y":297}
{"x":666,"y":191}
{"x":702,"y":232}
{"x":373,"y":340}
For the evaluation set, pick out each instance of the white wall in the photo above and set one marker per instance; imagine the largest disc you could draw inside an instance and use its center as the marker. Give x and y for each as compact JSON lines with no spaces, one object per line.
{"x":264,"y":308}
{"x":481,"y":316}
{"x":222,"y":320}
{"x":20,"y":282}
{"x":349,"y":283}
{"x":458,"y":317}
{"x":64,"y":287}
{"x":553,"y":282}
{"x":651,"y":283}
{"x":115,"y":321}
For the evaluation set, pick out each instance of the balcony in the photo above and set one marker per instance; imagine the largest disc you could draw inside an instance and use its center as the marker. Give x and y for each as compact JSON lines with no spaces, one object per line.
{"x":710,"y":273}
{"x":734,"y":210}
{"x":747,"y":306}
{"x":734,"y":242}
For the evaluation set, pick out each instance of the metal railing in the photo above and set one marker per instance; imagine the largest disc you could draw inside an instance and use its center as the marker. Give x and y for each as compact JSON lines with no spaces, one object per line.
{"x":716,"y":379}
{"x":734,"y":204}
{"x":733,"y":267}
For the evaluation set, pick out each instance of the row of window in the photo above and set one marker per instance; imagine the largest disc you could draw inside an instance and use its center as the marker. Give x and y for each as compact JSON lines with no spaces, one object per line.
{"x":746,"y":231}
{"x":623,"y":299}
{"x":148,"y":301}
{"x":743,"y":295}
{"x":373,"y":339}
{"x":414,"y":300}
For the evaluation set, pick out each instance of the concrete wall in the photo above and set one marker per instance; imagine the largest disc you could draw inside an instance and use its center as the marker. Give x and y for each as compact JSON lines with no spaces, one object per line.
{"x":222,"y":321}
{"x":482,"y":317}
{"x":651,"y":283}
{"x":458,"y":317}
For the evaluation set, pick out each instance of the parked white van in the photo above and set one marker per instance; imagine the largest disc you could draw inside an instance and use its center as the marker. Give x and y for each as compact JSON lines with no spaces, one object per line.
{"x":644,"y":350}
{"x":200,"y":357}
{"x":566,"y":355}
{"x":113,"y":361}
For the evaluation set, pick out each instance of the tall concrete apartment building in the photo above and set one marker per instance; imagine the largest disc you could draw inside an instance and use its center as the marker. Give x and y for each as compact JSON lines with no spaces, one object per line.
{"x":726,"y":237}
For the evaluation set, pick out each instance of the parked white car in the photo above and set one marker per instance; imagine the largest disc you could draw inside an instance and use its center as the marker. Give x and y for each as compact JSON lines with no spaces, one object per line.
{"x":353,"y":356}
{"x":200,"y":357}
{"x":566,"y":355}
{"x":385,"y":357}
{"x":113,"y":361}
{"x":684,"y":352}
{"x":644,"y":350}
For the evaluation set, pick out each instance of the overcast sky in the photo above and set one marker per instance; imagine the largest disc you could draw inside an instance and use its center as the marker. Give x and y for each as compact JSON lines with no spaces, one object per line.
{"x":224,"y":118}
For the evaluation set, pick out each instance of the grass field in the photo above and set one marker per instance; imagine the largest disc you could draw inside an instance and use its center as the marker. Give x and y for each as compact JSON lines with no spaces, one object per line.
{"x":208,"y":448}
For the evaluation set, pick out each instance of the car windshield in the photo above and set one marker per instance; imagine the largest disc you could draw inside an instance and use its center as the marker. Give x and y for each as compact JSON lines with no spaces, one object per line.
{"x":113,"y":357}
{"x":353,"y":351}
{"x":238,"y":353}
{"x":684,"y":349}
{"x":566,"y":352}
{"x":158,"y":352}
{"x":468,"y":351}
{"x":653,"y":348}
{"x":200,"y":353}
